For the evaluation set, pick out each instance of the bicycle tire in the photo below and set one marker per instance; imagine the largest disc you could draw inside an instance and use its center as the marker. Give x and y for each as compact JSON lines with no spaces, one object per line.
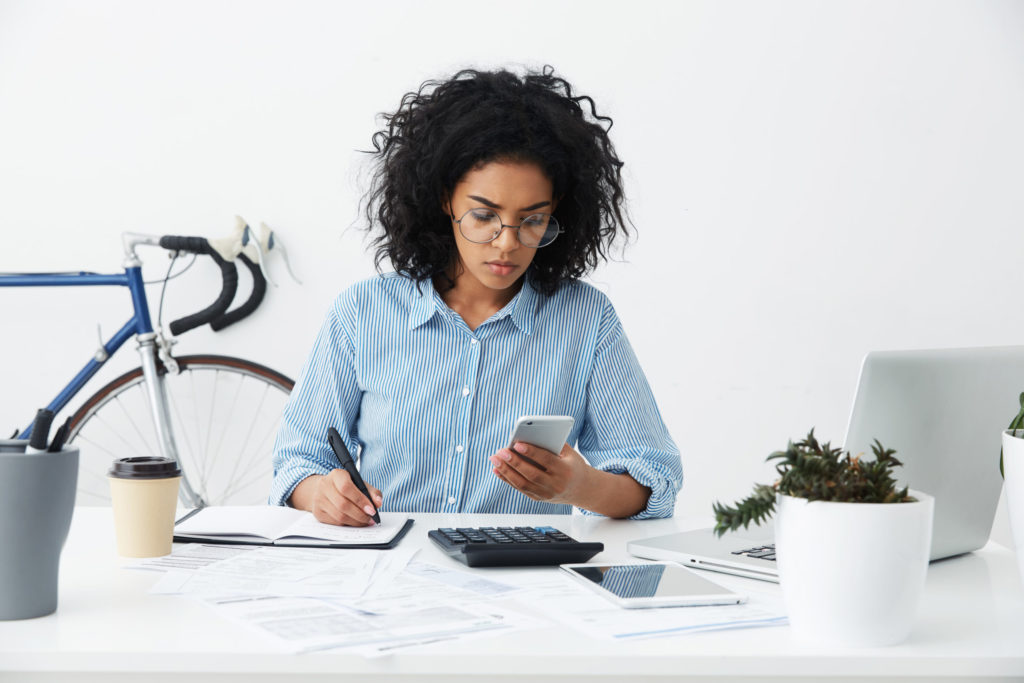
{"x":215,"y":401}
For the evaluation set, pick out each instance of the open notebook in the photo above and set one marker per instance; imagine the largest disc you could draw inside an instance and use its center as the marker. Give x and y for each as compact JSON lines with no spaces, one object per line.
{"x":275,"y":525}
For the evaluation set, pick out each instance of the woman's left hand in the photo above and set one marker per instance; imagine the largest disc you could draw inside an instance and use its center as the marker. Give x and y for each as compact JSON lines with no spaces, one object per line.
{"x":541,"y":474}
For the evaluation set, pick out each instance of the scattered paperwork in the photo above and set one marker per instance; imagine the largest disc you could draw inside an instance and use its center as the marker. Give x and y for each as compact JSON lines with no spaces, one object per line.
{"x":374,"y":602}
{"x":588,"y":612}
{"x":191,"y":557}
{"x":287,"y":572}
{"x":406,"y":610}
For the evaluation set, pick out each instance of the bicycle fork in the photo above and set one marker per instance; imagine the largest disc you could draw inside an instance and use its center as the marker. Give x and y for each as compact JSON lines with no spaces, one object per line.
{"x":162,"y":416}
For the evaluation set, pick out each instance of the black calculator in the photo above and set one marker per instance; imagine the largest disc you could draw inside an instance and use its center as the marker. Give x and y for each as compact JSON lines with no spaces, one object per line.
{"x":512,"y":546}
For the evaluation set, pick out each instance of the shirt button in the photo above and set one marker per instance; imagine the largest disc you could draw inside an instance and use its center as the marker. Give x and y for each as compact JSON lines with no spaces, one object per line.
{"x":472,"y":341}
{"x":458,"y":449}
{"x":451,"y":500}
{"x":465,"y":391}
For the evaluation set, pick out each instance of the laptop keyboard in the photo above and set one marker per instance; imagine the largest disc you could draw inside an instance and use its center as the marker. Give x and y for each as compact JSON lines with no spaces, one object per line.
{"x":761,"y":552}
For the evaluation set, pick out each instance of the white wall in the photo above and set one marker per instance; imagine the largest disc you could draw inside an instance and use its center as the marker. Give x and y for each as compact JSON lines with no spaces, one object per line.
{"x":809,"y":180}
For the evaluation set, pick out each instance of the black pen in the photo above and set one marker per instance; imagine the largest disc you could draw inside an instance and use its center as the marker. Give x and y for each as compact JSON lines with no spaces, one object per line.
{"x":60,"y":436}
{"x":350,"y":466}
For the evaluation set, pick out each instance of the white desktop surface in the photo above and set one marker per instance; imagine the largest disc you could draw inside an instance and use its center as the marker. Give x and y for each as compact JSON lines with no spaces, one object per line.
{"x":108,"y":628}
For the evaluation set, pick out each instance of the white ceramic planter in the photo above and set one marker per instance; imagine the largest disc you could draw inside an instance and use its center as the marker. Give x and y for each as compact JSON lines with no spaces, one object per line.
{"x":852,"y":573}
{"x":1013,"y":469}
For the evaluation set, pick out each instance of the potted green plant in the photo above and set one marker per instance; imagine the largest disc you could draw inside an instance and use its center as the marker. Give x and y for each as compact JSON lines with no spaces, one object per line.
{"x":1011,"y":466}
{"x":852,"y":548}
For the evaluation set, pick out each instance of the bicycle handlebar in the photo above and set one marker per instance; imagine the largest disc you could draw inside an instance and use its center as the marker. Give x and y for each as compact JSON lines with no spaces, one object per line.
{"x":229,"y":276}
{"x":259,"y":289}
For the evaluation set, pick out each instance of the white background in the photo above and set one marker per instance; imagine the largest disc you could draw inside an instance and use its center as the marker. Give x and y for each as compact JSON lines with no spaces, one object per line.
{"x":809,"y":181}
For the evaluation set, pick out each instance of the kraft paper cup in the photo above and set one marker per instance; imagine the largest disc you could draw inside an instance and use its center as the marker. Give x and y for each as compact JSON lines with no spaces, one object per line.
{"x":144,"y":493}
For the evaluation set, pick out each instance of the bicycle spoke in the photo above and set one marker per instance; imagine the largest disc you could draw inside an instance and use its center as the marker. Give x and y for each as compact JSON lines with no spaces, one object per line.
{"x":113,"y":456}
{"x":129,"y":447}
{"x":207,"y":456}
{"x":242,"y":484}
{"x":181,"y":421}
{"x":234,"y":489}
{"x":245,"y":444}
{"x":124,"y":410}
{"x":225,"y":455}
{"x":198,"y":486}
{"x":230,"y":416}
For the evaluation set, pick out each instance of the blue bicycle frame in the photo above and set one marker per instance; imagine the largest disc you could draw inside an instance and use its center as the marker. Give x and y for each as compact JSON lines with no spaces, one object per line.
{"x":138,"y":324}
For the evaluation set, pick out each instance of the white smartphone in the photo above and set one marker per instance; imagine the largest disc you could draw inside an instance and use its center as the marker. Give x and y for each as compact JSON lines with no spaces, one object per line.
{"x":657,"y":584}
{"x":546,"y":431}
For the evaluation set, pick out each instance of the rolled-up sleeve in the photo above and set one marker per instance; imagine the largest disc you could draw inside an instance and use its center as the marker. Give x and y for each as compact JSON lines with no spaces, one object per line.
{"x":326,"y":395}
{"x":623,"y":431}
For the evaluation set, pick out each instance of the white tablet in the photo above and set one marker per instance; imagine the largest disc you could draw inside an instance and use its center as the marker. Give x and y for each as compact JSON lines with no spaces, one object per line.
{"x":655,"y":584}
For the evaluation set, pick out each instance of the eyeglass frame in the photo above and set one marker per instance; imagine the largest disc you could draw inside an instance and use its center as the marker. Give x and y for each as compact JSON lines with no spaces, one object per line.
{"x":458,"y":222}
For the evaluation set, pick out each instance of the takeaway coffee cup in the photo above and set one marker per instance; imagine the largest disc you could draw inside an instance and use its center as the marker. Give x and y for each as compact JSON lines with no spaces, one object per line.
{"x":144,"y":493}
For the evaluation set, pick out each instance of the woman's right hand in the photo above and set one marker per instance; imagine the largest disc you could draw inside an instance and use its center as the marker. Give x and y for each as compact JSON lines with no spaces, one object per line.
{"x":334,"y":499}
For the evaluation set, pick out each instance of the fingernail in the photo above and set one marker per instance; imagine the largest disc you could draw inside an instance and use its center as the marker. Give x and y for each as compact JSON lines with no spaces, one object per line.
{"x":521,"y":447}
{"x":493,"y":459}
{"x":505,"y":455}
{"x":368,"y":510}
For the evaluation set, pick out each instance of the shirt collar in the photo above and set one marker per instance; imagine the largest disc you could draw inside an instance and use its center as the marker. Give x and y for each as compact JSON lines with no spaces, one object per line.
{"x":522,"y":309}
{"x":425,"y":302}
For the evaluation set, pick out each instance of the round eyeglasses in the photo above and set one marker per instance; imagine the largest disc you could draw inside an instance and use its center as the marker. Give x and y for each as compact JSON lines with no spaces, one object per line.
{"x":481,"y":226}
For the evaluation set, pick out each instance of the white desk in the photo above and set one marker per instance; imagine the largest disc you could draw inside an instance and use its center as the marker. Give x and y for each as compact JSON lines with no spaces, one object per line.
{"x":107,"y":628}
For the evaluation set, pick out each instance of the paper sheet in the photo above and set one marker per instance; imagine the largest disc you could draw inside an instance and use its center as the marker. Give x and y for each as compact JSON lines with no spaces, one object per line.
{"x":270,"y":570}
{"x":308,"y":624}
{"x":582,"y":609}
{"x":458,"y":578}
{"x":390,"y":524}
{"x":190,"y":557}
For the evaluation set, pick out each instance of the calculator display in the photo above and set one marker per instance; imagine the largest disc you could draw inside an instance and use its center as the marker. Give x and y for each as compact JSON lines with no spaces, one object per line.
{"x":647,"y":580}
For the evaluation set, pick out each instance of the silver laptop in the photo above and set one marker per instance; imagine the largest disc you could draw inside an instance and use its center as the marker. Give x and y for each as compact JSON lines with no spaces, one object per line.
{"x":943,"y":411}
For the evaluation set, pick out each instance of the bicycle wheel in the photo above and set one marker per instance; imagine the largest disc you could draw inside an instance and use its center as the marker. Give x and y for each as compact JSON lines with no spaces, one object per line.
{"x":224,"y":415}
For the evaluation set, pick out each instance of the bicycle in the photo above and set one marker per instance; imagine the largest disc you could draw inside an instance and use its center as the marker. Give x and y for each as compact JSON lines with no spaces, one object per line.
{"x":196,"y":409}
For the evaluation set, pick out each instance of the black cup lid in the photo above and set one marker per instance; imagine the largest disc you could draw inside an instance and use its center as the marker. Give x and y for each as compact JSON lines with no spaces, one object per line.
{"x":144,"y":467}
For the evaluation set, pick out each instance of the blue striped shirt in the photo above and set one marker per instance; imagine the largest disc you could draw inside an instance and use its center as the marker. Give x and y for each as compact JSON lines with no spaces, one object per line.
{"x":425,"y":401}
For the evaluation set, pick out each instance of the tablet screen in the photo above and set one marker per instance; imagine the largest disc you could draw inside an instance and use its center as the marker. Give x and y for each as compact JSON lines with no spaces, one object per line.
{"x":647,"y":580}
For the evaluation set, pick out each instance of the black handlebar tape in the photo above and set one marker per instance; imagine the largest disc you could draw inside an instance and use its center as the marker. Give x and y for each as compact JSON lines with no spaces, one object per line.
{"x":259,"y":290}
{"x":229,"y":277}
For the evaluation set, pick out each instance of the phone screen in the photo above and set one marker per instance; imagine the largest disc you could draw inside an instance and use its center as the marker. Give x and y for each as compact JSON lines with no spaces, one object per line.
{"x":648,"y":580}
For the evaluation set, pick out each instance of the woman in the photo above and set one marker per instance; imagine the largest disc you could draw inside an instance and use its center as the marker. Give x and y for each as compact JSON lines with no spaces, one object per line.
{"x":494,"y":194}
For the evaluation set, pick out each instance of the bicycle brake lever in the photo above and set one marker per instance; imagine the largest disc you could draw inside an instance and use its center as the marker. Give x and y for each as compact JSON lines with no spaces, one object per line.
{"x":249,"y":245}
{"x":273,"y":242}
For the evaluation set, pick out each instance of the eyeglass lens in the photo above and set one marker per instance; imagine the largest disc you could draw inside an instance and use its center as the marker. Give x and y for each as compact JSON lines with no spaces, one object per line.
{"x":484,"y":225}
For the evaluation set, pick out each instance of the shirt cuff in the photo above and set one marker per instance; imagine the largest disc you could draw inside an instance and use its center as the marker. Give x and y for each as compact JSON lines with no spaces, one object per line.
{"x":662,"y":501}
{"x":288,"y":477}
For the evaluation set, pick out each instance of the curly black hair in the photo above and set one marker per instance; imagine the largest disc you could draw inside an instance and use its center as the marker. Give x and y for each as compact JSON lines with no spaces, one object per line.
{"x":448,"y":128}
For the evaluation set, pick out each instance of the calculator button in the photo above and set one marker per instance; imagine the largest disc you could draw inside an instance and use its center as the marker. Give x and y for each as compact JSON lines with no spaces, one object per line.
{"x":520,"y":546}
